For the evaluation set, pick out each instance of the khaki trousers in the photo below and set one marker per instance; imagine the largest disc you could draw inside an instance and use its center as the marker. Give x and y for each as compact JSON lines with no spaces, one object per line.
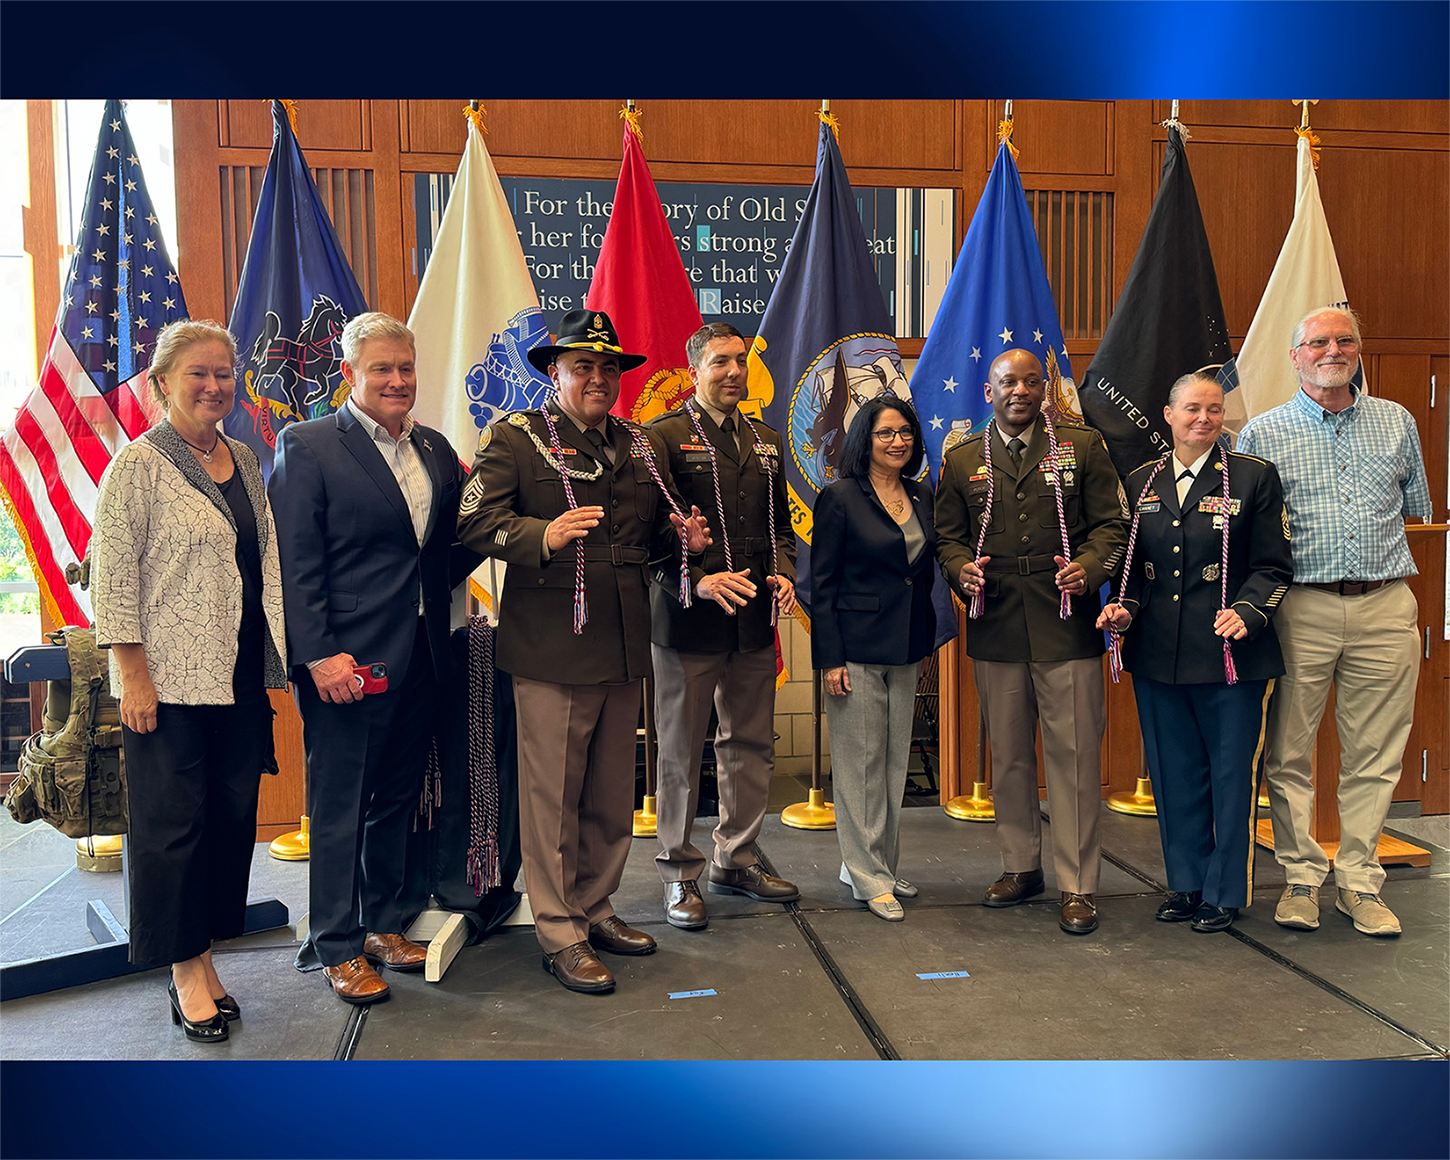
{"x":1070,"y":695}
{"x":1368,"y":647}
{"x":742,"y":686}
{"x":576,"y":801}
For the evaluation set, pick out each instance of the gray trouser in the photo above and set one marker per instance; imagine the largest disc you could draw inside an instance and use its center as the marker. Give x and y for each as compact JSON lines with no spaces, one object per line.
{"x":870,"y":743}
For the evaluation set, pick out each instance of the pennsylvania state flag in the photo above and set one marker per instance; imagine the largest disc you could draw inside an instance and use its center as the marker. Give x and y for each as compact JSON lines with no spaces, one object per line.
{"x":998,"y":300}
{"x":296,"y":292}
{"x":1168,"y":322}
{"x":825,"y":346}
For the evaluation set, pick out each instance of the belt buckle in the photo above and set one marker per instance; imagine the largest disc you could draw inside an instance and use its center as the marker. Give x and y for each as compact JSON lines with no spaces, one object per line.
{"x":616,"y":555}
{"x":1024,"y":565}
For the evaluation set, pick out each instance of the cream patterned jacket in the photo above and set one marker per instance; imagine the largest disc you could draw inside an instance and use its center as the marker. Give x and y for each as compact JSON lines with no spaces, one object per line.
{"x":164,"y":570}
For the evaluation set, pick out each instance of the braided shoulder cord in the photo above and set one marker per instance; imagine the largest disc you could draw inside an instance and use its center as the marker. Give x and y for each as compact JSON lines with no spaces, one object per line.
{"x":979,"y":597}
{"x":484,"y":871}
{"x":581,"y":606}
{"x":1230,"y":672}
{"x":642,"y":450}
{"x":1065,"y":605}
{"x":715,"y":478}
{"x":1115,"y":638}
{"x":770,"y":517}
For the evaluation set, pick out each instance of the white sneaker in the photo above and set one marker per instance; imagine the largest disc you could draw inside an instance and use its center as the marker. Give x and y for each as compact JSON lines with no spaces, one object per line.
{"x":1368,"y":913}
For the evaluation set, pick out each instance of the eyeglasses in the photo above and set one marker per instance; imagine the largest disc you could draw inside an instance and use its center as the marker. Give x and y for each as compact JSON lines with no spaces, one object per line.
{"x":1344,"y":342}
{"x":886,"y":435}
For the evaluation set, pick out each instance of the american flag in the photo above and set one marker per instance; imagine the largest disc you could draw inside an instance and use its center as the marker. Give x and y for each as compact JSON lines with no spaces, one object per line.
{"x":92,"y":396}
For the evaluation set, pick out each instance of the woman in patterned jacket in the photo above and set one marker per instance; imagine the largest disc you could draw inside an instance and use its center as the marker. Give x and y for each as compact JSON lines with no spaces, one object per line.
{"x":187,"y":594}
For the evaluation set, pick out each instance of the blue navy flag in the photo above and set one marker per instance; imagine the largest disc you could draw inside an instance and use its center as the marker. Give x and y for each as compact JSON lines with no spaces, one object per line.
{"x":998,"y":299}
{"x":1168,"y":322}
{"x":825,"y":347}
{"x":296,"y":292}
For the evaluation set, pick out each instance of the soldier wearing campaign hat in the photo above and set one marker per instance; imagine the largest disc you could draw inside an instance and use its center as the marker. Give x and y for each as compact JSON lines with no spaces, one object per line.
{"x":578,"y":503}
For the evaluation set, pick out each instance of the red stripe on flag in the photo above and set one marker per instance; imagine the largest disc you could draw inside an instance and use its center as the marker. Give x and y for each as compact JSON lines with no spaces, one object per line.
{"x":127,"y":407}
{"x":93,"y":454}
{"x":50,"y":577}
{"x":77,"y":527}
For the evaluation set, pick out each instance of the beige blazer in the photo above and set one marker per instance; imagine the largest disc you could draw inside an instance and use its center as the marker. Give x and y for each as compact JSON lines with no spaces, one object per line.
{"x":164,"y":571}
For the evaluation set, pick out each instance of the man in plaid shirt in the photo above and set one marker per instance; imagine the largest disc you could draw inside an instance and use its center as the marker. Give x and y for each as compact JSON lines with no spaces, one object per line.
{"x":1352,"y":470}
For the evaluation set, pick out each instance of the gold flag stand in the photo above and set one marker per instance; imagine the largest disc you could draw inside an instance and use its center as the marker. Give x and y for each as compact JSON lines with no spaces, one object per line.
{"x":293,"y":847}
{"x":1139,"y":803}
{"x":644,"y":819}
{"x":99,"y":855}
{"x":815,"y":813}
{"x":977,"y":805}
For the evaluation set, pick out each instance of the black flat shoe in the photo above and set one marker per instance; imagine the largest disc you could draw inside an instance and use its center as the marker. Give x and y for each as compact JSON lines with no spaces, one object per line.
{"x":213,"y":1030}
{"x":1181,"y":906}
{"x":228,"y":1008}
{"x":1212,"y":919}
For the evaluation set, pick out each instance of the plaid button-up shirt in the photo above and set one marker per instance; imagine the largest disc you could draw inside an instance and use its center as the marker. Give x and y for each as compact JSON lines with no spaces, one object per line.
{"x":1349,"y":480}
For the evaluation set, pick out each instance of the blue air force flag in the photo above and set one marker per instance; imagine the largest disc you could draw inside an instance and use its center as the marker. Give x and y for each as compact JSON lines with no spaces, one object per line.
{"x":998,"y":300}
{"x":296,"y":293}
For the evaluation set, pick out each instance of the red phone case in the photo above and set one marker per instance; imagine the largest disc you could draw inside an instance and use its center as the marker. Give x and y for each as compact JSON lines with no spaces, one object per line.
{"x":372,"y":678}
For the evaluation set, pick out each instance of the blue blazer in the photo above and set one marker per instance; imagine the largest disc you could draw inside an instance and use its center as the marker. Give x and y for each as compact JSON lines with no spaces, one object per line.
{"x":868,"y":604}
{"x":351,"y":565}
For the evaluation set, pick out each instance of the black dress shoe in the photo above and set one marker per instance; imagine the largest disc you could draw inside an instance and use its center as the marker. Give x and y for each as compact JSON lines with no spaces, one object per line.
{"x":1212,"y":919}
{"x":1010,"y":889}
{"x":229,"y":1008}
{"x":684,"y":907}
{"x":1181,"y":906}
{"x":213,"y":1030}
{"x":614,"y":936}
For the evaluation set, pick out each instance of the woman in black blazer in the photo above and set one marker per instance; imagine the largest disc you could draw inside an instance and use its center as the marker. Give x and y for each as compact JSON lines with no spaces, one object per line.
{"x":872,"y":554}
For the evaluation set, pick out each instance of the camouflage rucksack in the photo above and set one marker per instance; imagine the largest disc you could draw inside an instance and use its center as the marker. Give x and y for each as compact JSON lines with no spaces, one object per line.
{"x":73,"y":772}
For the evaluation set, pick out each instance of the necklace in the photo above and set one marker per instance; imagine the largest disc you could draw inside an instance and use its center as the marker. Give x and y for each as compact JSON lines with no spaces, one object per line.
{"x":206,"y":452}
{"x":894,"y":506}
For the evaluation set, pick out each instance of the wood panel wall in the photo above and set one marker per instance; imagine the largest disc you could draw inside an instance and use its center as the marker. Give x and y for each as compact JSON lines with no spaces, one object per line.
{"x":1384,"y":179}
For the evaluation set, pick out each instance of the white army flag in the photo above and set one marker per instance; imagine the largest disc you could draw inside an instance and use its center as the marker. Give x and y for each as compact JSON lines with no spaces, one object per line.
{"x":1306,"y":275}
{"x":475,"y":317}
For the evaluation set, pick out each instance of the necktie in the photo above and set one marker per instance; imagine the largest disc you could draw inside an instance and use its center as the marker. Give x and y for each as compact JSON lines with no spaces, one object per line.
{"x":1185,"y":481}
{"x":595,"y":439}
{"x":1015,"y":448}
{"x":728,"y":427}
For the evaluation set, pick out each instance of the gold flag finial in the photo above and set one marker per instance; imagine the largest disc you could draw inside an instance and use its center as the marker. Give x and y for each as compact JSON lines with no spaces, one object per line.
{"x":475,"y":112}
{"x":828,"y":119}
{"x":630,"y":115}
{"x":1304,"y":131}
{"x":1004,"y":132}
{"x":290,"y":107}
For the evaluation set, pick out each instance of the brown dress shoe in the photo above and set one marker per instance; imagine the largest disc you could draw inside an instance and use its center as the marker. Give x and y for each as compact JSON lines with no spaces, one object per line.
{"x":753,"y":882}
{"x":578,"y":969}
{"x":684,"y":907}
{"x":395,"y":952}
{"x":356,"y":982}
{"x":1079,"y":913}
{"x":1010,"y":889}
{"x":613,"y":936}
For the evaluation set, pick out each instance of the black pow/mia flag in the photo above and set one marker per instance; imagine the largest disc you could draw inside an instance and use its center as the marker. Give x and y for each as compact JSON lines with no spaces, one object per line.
{"x":1168,"y":322}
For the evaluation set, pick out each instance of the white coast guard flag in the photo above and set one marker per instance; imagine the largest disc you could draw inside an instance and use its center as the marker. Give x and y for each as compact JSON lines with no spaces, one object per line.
{"x":475,"y":317}
{"x":1306,"y":275}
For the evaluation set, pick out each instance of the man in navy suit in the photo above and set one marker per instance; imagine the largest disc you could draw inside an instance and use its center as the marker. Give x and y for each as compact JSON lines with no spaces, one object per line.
{"x":366,"y":505}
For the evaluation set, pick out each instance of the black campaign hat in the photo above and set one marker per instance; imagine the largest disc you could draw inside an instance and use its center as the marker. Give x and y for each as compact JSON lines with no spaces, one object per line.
{"x":584,"y":330}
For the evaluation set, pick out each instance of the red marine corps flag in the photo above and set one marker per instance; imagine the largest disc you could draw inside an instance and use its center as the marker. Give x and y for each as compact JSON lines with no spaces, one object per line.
{"x":640,"y":282}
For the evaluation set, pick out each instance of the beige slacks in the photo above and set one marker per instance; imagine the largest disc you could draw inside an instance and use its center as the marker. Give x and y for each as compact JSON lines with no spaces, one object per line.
{"x":742,"y":686}
{"x":1369,"y":648}
{"x":576,"y":801}
{"x":1066,"y":699}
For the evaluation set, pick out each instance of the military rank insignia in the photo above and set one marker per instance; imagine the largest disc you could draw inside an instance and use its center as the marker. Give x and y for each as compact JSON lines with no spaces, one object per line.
{"x":1285,"y":514}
